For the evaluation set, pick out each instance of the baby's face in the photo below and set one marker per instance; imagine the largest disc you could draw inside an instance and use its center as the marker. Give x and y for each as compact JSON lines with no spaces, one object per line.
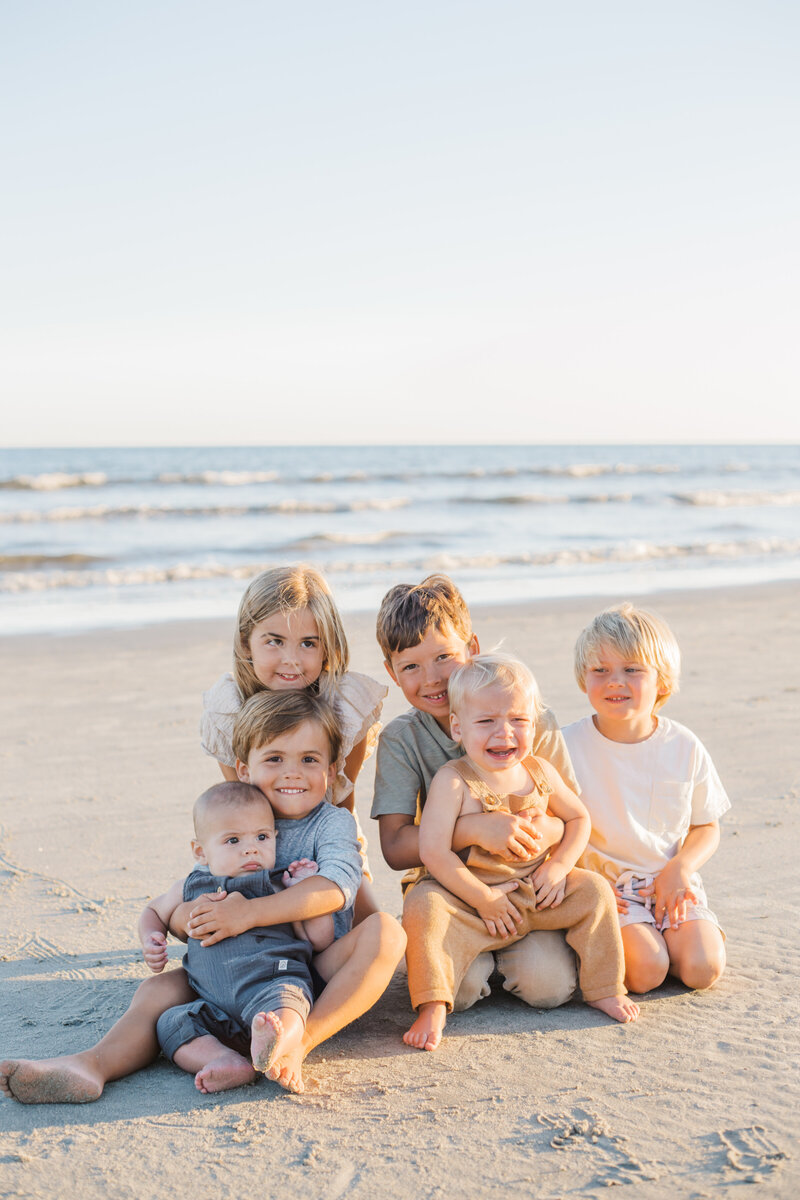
{"x":495,"y":727}
{"x":237,"y":840}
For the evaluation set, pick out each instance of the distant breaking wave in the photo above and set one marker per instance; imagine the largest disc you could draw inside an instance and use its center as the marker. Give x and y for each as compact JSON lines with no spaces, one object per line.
{"x":289,"y":507}
{"x":717,"y":499}
{"x":100,"y":512}
{"x":57,"y":481}
{"x":640,"y":552}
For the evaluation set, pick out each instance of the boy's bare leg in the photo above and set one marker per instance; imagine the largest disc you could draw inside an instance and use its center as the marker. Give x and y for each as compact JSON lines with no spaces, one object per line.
{"x":128,"y":1046}
{"x":366,"y":904}
{"x":696,"y":953}
{"x":646,"y":957}
{"x":358,"y":968}
{"x":426,"y":1032}
{"x":215,"y":1066}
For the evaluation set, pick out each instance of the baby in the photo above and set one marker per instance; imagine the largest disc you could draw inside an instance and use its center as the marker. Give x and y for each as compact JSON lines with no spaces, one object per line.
{"x":494,"y":704}
{"x":255,"y":990}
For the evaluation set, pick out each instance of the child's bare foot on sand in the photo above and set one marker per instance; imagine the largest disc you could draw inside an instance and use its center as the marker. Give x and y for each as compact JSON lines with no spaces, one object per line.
{"x":266,"y":1034}
{"x":66,"y":1080}
{"x":228,"y":1071}
{"x":288,"y":1071}
{"x":426,"y":1032}
{"x":621,"y":1008}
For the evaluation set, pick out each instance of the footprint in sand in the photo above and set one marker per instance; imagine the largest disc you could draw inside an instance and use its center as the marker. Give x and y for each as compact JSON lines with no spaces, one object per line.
{"x":750,"y":1152}
{"x":584,"y":1131}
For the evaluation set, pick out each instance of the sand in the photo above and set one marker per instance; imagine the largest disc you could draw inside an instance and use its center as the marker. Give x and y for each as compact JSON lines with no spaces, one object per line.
{"x":701,"y":1097}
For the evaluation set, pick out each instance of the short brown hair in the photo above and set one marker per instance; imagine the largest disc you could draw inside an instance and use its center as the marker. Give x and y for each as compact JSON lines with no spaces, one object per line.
{"x":230,"y":794}
{"x":409,"y":610}
{"x":267,"y":715}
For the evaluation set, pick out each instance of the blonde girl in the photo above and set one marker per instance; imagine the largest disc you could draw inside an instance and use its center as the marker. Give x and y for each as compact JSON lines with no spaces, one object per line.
{"x":289,"y":636}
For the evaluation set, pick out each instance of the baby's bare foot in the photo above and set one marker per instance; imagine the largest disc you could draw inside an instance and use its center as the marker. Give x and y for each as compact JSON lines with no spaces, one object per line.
{"x":266,"y":1033}
{"x":621,"y":1008}
{"x":288,"y":1071}
{"x":426,"y":1032}
{"x":65,"y":1080}
{"x":228,"y":1071}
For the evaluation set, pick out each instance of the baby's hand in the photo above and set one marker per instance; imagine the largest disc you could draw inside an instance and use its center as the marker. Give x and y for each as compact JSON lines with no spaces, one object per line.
{"x":550,"y":884}
{"x":154,"y":948}
{"x":498,"y":913}
{"x":302,"y":868}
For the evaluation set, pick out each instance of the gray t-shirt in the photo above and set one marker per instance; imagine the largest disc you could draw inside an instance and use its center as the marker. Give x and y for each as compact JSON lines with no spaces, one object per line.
{"x":413,"y":747}
{"x":328,"y":836}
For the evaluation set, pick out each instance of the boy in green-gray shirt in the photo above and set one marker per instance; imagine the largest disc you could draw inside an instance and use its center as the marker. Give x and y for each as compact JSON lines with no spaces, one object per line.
{"x":425,"y":633}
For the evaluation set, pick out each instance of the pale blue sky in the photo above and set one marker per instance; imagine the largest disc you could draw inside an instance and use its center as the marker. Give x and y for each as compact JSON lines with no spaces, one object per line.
{"x":324,"y":221}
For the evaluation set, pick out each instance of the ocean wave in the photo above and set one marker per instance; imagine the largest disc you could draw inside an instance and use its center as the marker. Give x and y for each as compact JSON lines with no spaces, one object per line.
{"x":556,"y":498}
{"x":57,"y":480}
{"x":54,"y":481}
{"x":712,"y":498}
{"x":636,"y":552}
{"x":101,"y":512}
{"x":15,"y":562}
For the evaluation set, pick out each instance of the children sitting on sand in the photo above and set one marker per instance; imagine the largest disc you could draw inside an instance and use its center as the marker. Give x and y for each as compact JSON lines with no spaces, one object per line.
{"x":465,"y":907}
{"x":425,"y":633}
{"x":287,"y":746}
{"x":653,"y":796}
{"x":254,"y":990}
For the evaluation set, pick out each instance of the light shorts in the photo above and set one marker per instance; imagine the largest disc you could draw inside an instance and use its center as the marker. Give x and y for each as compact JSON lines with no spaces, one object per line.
{"x":640,"y":908}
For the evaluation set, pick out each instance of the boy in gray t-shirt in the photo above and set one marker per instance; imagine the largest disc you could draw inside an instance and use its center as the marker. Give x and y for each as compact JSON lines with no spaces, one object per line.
{"x":425,"y":633}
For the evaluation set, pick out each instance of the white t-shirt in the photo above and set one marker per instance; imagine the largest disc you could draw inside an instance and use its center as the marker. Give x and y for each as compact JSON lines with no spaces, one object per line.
{"x":642,"y":797}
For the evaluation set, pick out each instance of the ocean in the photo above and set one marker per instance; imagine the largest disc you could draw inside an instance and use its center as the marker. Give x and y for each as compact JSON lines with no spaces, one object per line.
{"x":94,"y":538}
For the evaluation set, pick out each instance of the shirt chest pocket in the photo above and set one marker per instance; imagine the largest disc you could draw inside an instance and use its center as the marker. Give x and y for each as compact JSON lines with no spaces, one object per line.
{"x":670,"y":808}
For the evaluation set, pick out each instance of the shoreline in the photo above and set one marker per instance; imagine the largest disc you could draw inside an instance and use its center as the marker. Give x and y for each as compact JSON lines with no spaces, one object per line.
{"x":101,"y":763}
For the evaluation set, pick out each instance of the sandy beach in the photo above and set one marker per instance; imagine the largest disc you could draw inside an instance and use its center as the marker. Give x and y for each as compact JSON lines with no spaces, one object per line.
{"x":100,"y":765}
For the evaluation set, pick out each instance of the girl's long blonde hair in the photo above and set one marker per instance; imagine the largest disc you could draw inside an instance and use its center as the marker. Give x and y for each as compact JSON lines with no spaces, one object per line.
{"x":286,"y":590}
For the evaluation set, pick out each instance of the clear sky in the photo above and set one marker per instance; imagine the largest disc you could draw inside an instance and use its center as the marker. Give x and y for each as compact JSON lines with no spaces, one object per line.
{"x":254,"y":221}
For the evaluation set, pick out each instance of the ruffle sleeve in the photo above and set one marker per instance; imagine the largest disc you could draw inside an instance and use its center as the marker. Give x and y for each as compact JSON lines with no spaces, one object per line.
{"x":358,"y":703}
{"x":221,"y":703}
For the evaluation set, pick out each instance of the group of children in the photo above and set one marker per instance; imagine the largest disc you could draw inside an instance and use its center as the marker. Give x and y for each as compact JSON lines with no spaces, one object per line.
{"x":477,"y":799}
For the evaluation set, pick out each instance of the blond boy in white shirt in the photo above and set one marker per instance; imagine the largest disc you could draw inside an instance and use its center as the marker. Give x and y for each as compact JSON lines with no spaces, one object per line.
{"x":653,"y":796}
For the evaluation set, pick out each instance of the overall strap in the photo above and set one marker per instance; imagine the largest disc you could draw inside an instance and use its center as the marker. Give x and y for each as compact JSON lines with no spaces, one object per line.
{"x":479,"y":789}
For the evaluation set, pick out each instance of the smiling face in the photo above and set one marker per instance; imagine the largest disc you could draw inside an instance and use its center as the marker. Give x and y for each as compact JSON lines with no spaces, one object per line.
{"x":495,"y":727}
{"x":237,"y":839}
{"x":293,"y":770}
{"x":286,"y":651}
{"x":623,"y":694}
{"x":423,"y":670}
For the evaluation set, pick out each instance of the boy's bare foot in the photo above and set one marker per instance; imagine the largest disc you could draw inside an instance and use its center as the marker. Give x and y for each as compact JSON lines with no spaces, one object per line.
{"x":426,"y":1032}
{"x":65,"y":1080}
{"x":228,"y":1071}
{"x":266,"y":1033}
{"x":621,"y":1008}
{"x":288,"y":1071}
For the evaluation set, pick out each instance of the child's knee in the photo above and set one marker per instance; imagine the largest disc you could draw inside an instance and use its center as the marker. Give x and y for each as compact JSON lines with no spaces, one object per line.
{"x":644,"y":975}
{"x":475,"y":984}
{"x":700,"y":971}
{"x":540,"y":969}
{"x":386,"y":935}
